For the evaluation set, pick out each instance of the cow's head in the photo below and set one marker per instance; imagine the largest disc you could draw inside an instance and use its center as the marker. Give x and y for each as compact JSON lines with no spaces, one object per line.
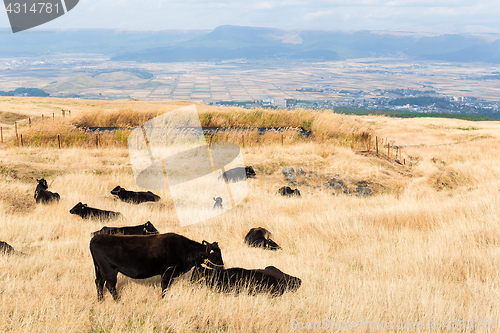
{"x":149,"y":228}
{"x":250,"y":172}
{"x":43,"y":183}
{"x":79,"y":207}
{"x":117,"y":190}
{"x":212,"y":257}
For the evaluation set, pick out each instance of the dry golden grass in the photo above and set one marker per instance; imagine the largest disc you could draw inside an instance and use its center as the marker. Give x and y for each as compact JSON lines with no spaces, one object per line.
{"x":423,"y":248}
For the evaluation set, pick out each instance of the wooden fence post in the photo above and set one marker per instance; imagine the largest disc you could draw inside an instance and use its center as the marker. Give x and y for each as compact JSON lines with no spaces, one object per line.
{"x":97,"y":141}
{"x":17,"y":135}
{"x":59,"y":140}
{"x":388,"y":151}
{"x":22,"y":143}
{"x":63,"y":113}
{"x":376,"y":143}
{"x":243,"y":140}
{"x":29,"y":122}
{"x":42,"y":116}
{"x":282,"y":139}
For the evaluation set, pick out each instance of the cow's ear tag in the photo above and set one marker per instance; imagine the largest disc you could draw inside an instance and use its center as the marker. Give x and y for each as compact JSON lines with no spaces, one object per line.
{"x":204,"y":243}
{"x":267,"y":245}
{"x":203,"y":278}
{"x":144,"y":229}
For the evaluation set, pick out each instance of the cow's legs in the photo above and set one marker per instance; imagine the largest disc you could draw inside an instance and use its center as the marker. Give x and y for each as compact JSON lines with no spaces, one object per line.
{"x":170,"y":274}
{"x":166,"y":279}
{"x":111,"y":285}
{"x":99,"y":283}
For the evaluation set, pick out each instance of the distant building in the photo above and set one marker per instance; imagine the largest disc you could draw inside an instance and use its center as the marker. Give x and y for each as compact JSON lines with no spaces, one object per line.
{"x":281,"y":103}
{"x":268,"y":101}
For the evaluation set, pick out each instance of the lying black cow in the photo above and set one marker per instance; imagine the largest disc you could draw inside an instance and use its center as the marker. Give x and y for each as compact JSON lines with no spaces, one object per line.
{"x":42,"y":195}
{"x":269,"y":280}
{"x":141,"y":257}
{"x":287,"y":191}
{"x":259,"y":237}
{"x":238,"y":174}
{"x":86,"y":212}
{"x":134,"y":197}
{"x":6,"y":248}
{"x":143,"y":229}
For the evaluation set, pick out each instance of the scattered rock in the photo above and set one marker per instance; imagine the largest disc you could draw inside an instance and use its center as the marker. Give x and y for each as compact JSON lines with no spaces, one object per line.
{"x":362,"y":191}
{"x":289,"y":173}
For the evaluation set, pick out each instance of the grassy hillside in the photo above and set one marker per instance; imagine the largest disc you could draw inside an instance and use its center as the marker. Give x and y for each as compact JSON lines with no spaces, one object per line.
{"x":423,"y":248}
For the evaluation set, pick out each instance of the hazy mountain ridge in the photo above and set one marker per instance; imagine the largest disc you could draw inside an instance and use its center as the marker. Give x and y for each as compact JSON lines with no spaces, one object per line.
{"x":233,"y":42}
{"x":237,"y":42}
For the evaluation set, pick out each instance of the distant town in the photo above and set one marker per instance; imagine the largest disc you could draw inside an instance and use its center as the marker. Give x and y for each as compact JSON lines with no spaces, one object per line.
{"x":408,"y":100}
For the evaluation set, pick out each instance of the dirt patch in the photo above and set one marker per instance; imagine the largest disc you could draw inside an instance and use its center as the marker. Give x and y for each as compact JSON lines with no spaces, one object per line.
{"x":10,"y":118}
{"x":16,"y":201}
{"x":26,"y":173}
{"x":446,"y":180}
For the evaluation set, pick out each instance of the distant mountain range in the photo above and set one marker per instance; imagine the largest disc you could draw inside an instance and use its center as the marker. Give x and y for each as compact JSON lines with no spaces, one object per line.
{"x":236,"y":42}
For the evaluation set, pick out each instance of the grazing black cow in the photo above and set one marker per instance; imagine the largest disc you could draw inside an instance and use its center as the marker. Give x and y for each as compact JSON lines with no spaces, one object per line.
{"x":238,"y":174}
{"x":86,"y":212}
{"x":218,"y":203}
{"x":141,"y":257}
{"x":269,"y":280}
{"x":42,"y":195}
{"x":259,"y":237}
{"x":143,"y":229}
{"x":134,"y":197}
{"x":6,"y":248}
{"x":288,"y":192}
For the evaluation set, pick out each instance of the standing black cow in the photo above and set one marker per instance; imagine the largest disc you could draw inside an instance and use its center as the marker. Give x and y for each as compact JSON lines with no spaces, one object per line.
{"x":259,"y":237}
{"x":141,"y":257}
{"x":134,"y":197}
{"x":86,"y":212}
{"x":287,"y":191}
{"x":269,"y":280}
{"x":143,"y":229}
{"x":238,"y":174}
{"x":42,"y":195}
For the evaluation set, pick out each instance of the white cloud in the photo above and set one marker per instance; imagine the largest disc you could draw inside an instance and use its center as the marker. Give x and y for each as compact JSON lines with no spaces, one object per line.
{"x":286,"y":14}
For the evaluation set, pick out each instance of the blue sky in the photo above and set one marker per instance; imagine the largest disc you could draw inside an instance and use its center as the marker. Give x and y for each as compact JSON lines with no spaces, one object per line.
{"x":396,"y":15}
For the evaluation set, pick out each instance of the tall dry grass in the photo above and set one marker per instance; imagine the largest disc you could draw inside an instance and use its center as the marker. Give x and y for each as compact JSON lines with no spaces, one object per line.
{"x":423,"y":248}
{"x":72,"y":130}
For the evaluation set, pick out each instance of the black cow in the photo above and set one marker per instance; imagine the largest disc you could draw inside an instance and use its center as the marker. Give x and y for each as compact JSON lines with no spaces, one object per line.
{"x":238,"y":174}
{"x":259,"y":237}
{"x":86,"y":212}
{"x":134,"y":197}
{"x":141,"y":257}
{"x":288,"y":192}
{"x":42,"y":195}
{"x":218,"y":203}
{"x":6,"y":248}
{"x":143,"y":229}
{"x":269,"y":280}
